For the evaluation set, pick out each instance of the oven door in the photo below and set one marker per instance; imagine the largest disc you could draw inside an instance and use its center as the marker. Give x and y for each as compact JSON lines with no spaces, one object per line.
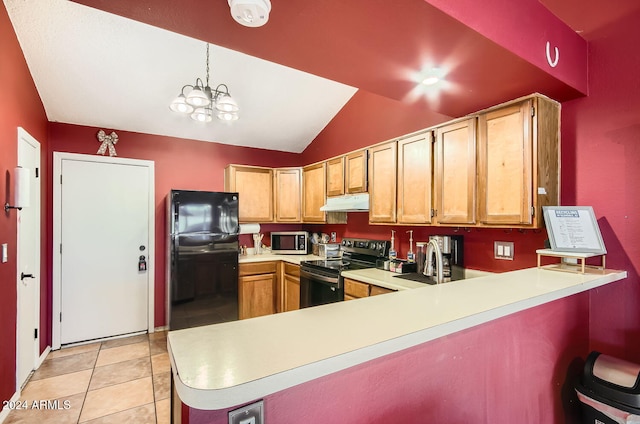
{"x":319,"y":288}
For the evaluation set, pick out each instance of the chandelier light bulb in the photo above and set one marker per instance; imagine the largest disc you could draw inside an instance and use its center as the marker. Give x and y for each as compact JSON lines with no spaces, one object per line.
{"x":198,"y":98}
{"x":202,"y":114}
{"x":226,"y":103}
{"x":179,"y":104}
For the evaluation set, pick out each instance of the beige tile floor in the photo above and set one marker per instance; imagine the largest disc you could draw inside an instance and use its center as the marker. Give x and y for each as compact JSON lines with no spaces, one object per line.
{"x":116,"y":381}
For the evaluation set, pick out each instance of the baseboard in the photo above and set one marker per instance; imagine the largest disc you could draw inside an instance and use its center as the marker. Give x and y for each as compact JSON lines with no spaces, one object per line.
{"x":163,"y":328}
{"x":43,"y":356}
{"x":4,"y":413}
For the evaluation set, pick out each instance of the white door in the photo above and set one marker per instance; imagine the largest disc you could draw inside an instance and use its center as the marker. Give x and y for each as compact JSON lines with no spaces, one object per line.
{"x":28,"y":260}
{"x":104,"y":210}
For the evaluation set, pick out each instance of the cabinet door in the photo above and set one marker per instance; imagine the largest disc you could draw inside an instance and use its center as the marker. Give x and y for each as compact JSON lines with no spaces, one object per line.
{"x":505,"y":160}
{"x":313,"y":193}
{"x":355,"y":179}
{"x":291,"y":293}
{"x":455,"y":176}
{"x":335,"y":177}
{"x":382,"y":183}
{"x":255,"y":188}
{"x":415,"y":164}
{"x":257,"y":295}
{"x":288,"y":194}
{"x":355,"y":289}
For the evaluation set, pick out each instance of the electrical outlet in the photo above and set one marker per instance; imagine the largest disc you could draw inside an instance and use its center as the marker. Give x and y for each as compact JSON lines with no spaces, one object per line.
{"x":5,"y":256}
{"x":249,"y":414}
{"x":503,"y":250}
{"x":333,"y":237}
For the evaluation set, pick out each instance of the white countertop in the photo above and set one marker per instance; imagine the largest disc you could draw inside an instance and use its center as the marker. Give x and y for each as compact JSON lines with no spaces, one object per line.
{"x":224,"y":365}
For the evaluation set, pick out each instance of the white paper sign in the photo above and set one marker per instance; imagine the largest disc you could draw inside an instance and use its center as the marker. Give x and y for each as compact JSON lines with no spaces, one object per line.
{"x":573,"y":229}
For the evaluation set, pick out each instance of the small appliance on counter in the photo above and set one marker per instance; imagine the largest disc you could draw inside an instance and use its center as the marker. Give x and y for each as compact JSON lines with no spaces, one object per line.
{"x":329,"y":250}
{"x":290,"y":243}
{"x":448,"y":256}
{"x":452,"y":263}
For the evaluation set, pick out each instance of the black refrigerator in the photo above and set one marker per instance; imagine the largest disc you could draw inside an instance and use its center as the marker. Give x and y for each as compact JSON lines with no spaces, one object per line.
{"x":202,"y":258}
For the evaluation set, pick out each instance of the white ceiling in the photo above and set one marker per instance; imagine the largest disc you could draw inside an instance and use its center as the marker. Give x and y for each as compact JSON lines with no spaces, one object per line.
{"x":100,"y":70}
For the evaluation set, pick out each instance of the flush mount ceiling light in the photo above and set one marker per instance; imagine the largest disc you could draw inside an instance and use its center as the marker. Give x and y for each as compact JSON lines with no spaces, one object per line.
{"x":432,"y":76}
{"x":251,"y":13}
{"x":202,"y":102}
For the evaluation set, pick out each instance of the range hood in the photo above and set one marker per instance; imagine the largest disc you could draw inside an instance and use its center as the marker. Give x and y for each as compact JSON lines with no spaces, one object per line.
{"x":347,"y":203}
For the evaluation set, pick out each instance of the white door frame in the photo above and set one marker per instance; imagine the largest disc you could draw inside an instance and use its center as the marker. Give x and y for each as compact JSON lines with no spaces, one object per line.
{"x":23,"y":135}
{"x":58,"y":157}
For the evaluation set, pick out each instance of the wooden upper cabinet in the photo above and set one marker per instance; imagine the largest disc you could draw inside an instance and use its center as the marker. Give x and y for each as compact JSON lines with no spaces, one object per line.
{"x":455,"y":173}
{"x":382,"y":183}
{"x":355,"y":174}
{"x":415,"y":166}
{"x":288,"y":194}
{"x":255,"y":188}
{"x":313,"y":193}
{"x":518,"y":162}
{"x":335,"y":177}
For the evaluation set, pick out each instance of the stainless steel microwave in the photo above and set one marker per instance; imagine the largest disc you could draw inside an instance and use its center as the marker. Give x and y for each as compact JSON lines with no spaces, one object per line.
{"x":290,"y":242}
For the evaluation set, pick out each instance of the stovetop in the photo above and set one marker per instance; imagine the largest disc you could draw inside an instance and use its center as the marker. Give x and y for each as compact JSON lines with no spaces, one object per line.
{"x":356,"y":254}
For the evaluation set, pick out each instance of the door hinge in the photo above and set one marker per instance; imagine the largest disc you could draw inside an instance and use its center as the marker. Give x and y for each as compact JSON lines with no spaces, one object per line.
{"x":60,"y":316}
{"x":37,"y":172}
{"x":60,"y":248}
{"x":35,"y":333}
{"x":533,"y":111}
{"x":60,"y":178}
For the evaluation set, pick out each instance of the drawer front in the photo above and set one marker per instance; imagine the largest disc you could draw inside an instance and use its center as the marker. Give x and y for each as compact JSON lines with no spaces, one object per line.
{"x":291,"y":269}
{"x":376,"y":290}
{"x":355,"y":288}
{"x":257,"y":268}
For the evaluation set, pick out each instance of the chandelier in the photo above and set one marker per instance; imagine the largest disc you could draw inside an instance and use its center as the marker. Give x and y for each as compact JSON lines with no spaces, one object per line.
{"x":201,"y":101}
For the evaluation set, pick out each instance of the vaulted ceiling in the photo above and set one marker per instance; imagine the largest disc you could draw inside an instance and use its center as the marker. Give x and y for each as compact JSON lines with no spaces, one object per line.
{"x":118,"y":63}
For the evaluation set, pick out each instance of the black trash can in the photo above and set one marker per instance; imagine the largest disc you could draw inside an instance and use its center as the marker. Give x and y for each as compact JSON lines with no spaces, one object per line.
{"x":610,"y":390}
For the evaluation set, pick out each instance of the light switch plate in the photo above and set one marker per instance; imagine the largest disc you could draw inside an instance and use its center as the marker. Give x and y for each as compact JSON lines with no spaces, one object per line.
{"x":503,"y":250}
{"x":5,"y":253}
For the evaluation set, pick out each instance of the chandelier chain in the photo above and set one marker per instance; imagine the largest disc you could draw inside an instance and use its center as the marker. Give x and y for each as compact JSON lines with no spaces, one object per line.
{"x":207,"y":64}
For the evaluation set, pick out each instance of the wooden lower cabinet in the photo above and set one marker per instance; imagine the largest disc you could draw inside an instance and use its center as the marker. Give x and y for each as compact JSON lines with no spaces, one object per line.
{"x":290,"y":287}
{"x":257,"y":289}
{"x":356,"y":289}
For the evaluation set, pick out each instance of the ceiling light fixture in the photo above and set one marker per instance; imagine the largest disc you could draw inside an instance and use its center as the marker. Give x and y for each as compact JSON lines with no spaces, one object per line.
{"x":251,"y":13}
{"x":201,"y":101}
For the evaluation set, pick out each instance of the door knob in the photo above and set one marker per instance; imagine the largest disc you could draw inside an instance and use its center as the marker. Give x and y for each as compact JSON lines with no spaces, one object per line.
{"x":23,"y":276}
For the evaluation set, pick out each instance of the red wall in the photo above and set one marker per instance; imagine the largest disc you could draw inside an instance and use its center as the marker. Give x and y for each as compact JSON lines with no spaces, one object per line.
{"x":601,"y":151}
{"x":20,"y":106}
{"x":179,"y":164}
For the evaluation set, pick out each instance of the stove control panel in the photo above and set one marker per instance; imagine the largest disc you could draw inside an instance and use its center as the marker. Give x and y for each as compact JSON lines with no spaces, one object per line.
{"x":377,"y":248}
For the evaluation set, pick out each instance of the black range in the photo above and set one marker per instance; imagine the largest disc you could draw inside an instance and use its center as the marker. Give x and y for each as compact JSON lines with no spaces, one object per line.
{"x":321,"y":280}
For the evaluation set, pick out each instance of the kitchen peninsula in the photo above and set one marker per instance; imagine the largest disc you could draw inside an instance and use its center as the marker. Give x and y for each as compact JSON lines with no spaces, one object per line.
{"x":221,"y":366}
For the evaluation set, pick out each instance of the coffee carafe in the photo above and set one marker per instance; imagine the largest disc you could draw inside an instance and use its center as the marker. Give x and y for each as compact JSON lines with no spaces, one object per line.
{"x":452,"y":257}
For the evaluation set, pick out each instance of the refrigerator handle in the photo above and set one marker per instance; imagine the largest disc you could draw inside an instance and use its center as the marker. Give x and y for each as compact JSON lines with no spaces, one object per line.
{"x":176,"y":216}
